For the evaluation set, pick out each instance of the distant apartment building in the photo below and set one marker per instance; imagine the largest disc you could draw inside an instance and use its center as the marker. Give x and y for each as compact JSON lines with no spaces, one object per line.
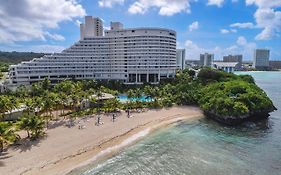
{"x":206,"y":59}
{"x":181,"y":59}
{"x":129,"y":55}
{"x":234,"y":58}
{"x":261,"y":58}
{"x":192,"y":63}
{"x":275,"y":64}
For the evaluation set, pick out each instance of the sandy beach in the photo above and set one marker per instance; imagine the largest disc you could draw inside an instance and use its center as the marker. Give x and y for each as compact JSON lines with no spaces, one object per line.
{"x":64,"y":149}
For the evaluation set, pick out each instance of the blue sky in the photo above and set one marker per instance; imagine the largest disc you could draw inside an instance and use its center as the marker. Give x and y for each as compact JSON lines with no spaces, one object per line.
{"x":217,"y":26}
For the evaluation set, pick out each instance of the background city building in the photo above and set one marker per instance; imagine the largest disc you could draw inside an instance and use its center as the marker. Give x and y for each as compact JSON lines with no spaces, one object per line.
{"x":234,"y":58}
{"x":261,"y":58}
{"x":181,"y":59}
{"x":229,"y":67}
{"x":206,"y":59}
{"x":275,"y":64}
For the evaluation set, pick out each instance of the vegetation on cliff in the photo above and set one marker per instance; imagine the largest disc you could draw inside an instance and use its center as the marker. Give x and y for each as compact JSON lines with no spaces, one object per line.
{"x":231,"y":98}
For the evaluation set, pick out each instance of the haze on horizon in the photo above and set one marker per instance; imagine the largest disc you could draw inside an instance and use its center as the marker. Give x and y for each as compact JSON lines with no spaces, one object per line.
{"x":221,"y":27}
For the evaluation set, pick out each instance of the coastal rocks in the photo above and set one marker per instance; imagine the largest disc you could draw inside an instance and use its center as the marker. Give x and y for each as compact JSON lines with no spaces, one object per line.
{"x":237,"y":120}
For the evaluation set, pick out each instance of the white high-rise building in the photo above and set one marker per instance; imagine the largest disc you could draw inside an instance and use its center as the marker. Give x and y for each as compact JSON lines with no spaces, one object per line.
{"x":181,"y":59}
{"x":261,"y":58}
{"x":91,"y":28}
{"x":116,"y":26}
{"x":206,"y":59}
{"x":133,"y":55}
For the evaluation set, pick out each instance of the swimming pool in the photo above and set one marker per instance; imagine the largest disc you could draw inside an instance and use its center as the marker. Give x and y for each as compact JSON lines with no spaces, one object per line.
{"x":124,"y":98}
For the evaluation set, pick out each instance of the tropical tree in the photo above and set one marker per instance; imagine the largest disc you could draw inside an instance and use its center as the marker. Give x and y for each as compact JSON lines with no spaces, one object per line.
{"x":111,"y":105}
{"x":131,"y":93}
{"x":22,"y":91}
{"x":67,"y":87}
{"x":36,"y":89}
{"x":7,"y":135}
{"x":50,"y":100}
{"x":5,"y":104}
{"x":46,"y":84}
{"x":32,"y":124}
{"x":24,"y":124}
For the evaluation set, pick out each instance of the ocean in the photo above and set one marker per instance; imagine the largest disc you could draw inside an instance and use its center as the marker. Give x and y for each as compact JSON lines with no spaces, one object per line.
{"x":205,"y":147}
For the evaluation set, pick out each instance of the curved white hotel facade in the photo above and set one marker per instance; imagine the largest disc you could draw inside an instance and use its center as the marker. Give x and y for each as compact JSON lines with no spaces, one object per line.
{"x":135,"y":55}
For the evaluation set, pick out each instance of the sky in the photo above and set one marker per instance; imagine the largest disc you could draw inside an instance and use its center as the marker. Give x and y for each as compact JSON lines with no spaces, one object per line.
{"x":221,"y":27}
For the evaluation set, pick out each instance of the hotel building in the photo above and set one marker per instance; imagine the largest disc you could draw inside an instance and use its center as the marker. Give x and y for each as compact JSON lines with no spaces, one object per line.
{"x":132,"y":56}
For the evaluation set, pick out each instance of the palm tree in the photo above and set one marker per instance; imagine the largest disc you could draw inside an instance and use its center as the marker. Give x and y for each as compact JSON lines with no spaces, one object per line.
{"x":22,"y":91}
{"x":29,"y":104}
{"x":36,"y":89}
{"x":32,"y":124}
{"x":138,"y":95}
{"x":7,"y":135}
{"x":24,"y":124}
{"x":112,"y":105}
{"x":130,"y":94}
{"x":37,"y":127}
{"x":46,"y":84}
{"x":49,"y":103}
{"x":63,"y":101}
{"x":5,"y":105}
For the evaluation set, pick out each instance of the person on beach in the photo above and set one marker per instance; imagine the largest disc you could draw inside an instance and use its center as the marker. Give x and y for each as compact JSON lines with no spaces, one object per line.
{"x":113,"y":117}
{"x":98,"y":120}
{"x":128,"y":113}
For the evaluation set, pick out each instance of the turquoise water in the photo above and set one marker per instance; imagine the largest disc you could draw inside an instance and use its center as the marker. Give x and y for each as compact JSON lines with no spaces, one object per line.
{"x":205,"y":147}
{"x":124,"y":98}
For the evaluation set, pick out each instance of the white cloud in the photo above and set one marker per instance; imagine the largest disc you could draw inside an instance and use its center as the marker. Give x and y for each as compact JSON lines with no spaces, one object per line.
{"x":215,"y":2}
{"x":109,"y":3}
{"x":241,"y":41}
{"x":193,"y":51}
{"x":267,"y":18}
{"x":270,"y":21}
{"x":30,"y":19}
{"x":245,"y":47}
{"x":166,"y":7}
{"x":242,"y":46}
{"x":243,"y":25}
{"x":193,"y":26}
{"x":78,"y":22}
{"x":56,"y":37}
{"x":226,"y":31}
{"x":264,"y":3}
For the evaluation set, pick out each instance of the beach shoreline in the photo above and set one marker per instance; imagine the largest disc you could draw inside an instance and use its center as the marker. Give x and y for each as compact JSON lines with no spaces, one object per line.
{"x":58,"y":154}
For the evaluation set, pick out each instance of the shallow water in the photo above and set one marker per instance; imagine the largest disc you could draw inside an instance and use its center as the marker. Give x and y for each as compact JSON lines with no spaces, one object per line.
{"x":205,"y":147}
